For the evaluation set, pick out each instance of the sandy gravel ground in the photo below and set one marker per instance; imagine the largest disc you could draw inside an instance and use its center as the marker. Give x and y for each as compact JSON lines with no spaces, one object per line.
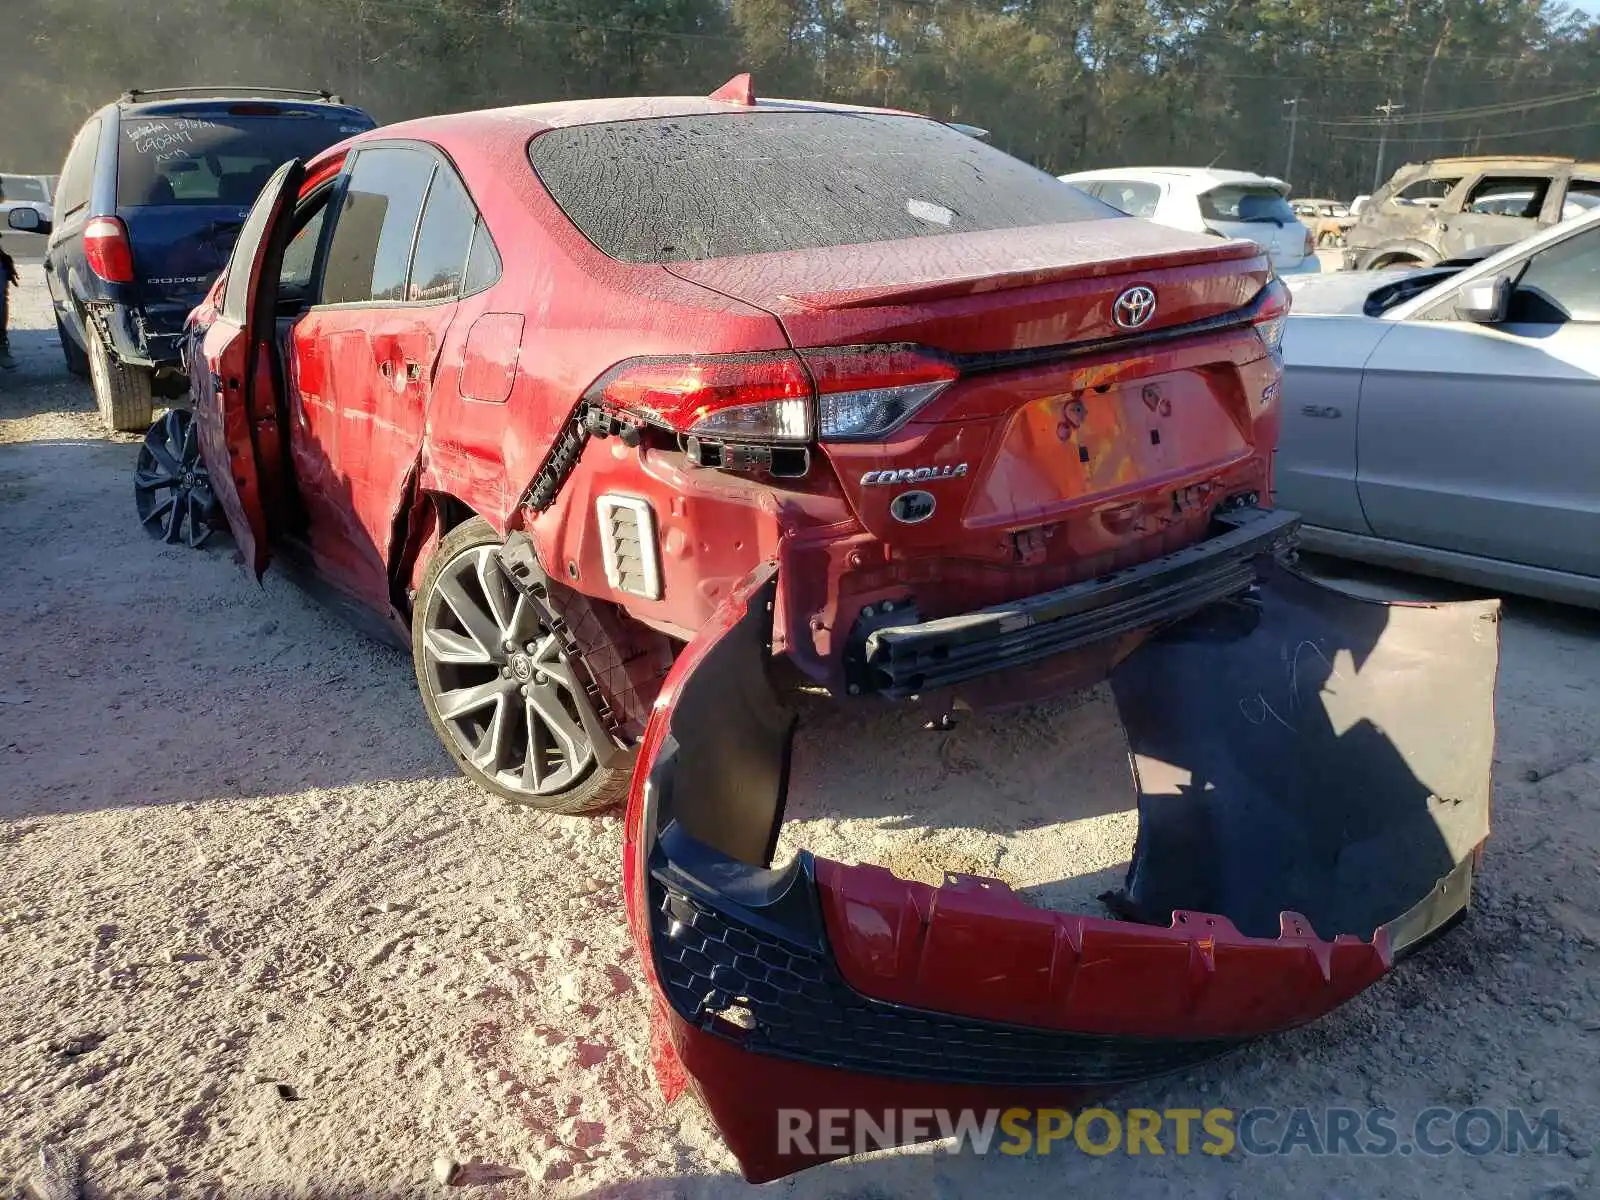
{"x":258,"y":940}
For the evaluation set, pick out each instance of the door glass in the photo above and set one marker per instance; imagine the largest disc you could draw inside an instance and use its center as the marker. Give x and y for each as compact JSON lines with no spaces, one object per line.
{"x":370,"y":255}
{"x":300,"y":256}
{"x":1582,"y":195}
{"x":1134,"y":198}
{"x":1508,"y":196}
{"x":77,"y":174}
{"x":1425,"y":193}
{"x":483,"y":266}
{"x":1560,"y":284}
{"x":443,"y":241}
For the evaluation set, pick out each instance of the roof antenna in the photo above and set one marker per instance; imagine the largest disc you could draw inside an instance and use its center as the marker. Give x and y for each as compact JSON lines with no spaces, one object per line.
{"x":741,"y":89}
{"x":1216,"y":160}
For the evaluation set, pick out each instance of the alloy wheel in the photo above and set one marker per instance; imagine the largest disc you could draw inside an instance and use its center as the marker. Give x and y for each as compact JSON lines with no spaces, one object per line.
{"x":171,"y":487}
{"x":499,"y":681}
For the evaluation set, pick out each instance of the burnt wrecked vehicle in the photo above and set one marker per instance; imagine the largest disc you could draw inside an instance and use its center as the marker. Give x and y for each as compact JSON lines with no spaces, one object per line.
{"x":1312,"y":779}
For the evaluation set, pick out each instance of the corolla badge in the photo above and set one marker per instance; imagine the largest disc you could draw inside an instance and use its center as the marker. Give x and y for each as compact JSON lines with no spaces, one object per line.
{"x":914,"y":475}
{"x":912,"y":508}
{"x":1134,"y":307}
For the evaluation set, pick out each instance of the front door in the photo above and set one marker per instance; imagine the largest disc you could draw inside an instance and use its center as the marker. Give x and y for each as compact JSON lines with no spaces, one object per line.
{"x":237,"y":379}
{"x":1480,"y":438}
{"x":1499,"y":210}
{"x":365,"y":354}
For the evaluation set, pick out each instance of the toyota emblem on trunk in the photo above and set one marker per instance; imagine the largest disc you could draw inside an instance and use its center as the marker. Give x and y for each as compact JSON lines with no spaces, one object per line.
{"x":1134,"y":307}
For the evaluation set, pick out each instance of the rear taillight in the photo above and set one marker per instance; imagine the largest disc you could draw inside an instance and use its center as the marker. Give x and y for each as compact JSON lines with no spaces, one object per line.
{"x":106,"y":246}
{"x":1272,"y":313}
{"x":842,"y":394}
{"x":750,"y":397}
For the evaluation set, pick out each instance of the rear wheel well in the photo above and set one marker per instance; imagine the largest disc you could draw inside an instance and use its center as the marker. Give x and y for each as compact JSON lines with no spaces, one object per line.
{"x":450,"y":512}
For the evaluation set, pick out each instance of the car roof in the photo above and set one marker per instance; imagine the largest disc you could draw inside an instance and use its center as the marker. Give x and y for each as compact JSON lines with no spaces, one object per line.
{"x":523,"y":120}
{"x":1199,"y":178}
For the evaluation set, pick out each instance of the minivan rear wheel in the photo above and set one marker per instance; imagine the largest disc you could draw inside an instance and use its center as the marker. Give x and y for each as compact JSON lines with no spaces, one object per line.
{"x":498,"y":684}
{"x":122,"y":393}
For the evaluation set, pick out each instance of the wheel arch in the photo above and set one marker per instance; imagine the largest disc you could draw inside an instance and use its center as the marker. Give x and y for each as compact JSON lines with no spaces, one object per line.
{"x":1394,"y":253}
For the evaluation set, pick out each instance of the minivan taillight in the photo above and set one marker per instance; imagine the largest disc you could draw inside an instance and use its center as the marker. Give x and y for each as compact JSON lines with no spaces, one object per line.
{"x":847,"y":393}
{"x":1272,"y":314}
{"x":106,"y":246}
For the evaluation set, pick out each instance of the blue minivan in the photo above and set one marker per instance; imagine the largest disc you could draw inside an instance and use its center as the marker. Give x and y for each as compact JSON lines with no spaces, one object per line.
{"x":151,"y":198}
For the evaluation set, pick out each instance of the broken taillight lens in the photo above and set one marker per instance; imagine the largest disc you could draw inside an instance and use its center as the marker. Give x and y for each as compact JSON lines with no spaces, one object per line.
{"x":848,"y":393}
{"x":1272,"y":315}
{"x":106,"y":246}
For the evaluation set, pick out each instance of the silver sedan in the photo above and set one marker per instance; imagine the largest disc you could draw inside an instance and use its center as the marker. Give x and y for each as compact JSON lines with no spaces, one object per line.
{"x":1447,"y":421}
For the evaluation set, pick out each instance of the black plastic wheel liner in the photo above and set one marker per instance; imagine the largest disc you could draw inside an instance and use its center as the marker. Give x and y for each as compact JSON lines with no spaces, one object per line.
{"x":1308,"y":751}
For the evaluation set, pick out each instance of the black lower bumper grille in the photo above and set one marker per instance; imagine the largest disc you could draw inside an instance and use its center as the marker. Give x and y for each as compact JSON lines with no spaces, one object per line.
{"x":799,"y":1007}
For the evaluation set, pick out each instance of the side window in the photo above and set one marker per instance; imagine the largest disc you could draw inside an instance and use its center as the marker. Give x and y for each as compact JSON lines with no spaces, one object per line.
{"x":1508,"y":196}
{"x":1132,"y":197}
{"x":1582,"y":195}
{"x":77,"y":174}
{"x":1561,"y":283}
{"x":300,"y":255}
{"x":443,"y":240}
{"x":370,"y":255}
{"x":1425,"y":193}
{"x":483,"y":265}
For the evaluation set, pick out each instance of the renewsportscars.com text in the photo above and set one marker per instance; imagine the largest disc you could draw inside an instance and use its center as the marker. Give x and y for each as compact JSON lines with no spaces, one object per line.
{"x":1175,"y":1131}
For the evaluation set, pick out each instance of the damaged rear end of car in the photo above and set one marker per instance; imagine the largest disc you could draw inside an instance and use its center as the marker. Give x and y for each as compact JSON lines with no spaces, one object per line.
{"x":1311,"y":772}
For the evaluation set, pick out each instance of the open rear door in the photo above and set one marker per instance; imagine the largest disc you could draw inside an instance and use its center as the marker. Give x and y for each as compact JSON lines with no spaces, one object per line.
{"x":236,"y":378}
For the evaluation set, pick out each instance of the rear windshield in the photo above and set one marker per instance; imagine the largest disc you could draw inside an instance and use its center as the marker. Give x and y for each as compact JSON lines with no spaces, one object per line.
{"x":220,"y":160}
{"x":678,"y":189}
{"x":1245,"y":202}
{"x":23,"y":187}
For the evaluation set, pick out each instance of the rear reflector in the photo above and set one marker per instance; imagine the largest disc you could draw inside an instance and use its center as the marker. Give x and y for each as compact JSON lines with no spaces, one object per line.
{"x":106,"y":246}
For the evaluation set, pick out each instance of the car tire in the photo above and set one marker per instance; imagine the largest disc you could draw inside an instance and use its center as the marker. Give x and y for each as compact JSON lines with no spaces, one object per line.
{"x":122,"y":393}
{"x":484,"y":700}
{"x":77,"y":360}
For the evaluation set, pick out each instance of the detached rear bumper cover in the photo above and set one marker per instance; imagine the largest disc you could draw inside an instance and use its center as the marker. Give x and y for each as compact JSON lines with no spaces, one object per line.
{"x":1312,"y":775}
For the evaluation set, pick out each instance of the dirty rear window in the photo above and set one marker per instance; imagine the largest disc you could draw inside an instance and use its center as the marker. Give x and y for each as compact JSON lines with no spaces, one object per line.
{"x":1245,"y":202}
{"x":680,"y":189}
{"x":219,"y":160}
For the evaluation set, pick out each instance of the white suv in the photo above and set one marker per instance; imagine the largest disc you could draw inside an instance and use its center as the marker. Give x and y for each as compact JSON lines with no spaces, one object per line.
{"x":1202,"y":200}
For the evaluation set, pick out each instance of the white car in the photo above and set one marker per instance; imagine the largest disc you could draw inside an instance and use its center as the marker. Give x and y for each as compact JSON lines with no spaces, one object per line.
{"x":1204,"y":200}
{"x":25,"y":191}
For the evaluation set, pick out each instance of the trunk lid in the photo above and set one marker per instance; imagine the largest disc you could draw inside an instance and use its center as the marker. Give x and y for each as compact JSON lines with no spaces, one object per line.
{"x":1060,"y":413}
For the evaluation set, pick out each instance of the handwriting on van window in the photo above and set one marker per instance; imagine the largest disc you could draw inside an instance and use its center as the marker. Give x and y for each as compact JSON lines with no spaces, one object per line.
{"x":166,"y":138}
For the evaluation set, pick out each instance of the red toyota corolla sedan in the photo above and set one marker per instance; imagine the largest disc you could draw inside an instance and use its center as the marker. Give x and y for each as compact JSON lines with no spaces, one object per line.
{"x":613,"y":407}
{"x":668,"y":339}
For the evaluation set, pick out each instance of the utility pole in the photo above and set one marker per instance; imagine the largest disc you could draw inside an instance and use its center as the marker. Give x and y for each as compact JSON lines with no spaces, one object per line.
{"x":1388,"y":108}
{"x":1294,"y":119}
